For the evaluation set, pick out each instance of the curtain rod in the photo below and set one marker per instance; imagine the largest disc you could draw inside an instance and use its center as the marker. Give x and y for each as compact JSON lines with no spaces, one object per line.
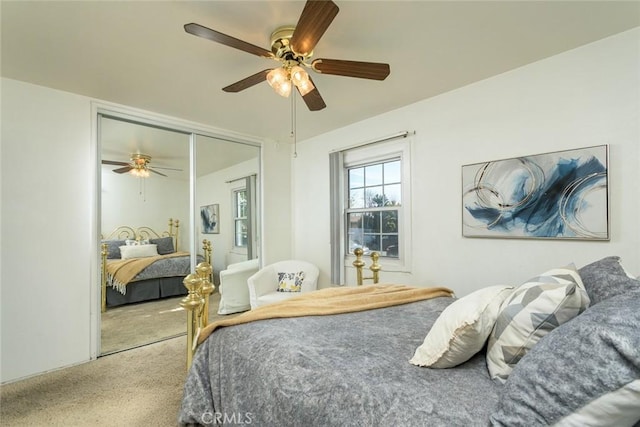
{"x":238,"y":179}
{"x":402,"y":134}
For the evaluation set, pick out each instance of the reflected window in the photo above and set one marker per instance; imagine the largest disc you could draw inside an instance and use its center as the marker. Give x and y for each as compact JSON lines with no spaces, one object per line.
{"x":240,"y":218}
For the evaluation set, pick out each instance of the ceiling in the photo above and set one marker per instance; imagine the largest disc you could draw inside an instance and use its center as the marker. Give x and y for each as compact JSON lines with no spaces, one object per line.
{"x":138,"y":54}
{"x":120,"y":139}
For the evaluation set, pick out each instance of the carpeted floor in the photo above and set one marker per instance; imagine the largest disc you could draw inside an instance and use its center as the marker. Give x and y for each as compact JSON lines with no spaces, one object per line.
{"x":133,"y":325}
{"x":138,"y":387}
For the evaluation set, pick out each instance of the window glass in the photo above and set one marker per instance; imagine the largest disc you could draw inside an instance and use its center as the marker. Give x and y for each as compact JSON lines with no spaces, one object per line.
{"x":356,"y":178}
{"x":373,"y":175}
{"x":356,"y":198}
{"x":375,"y":196}
{"x":392,"y":172}
{"x":392,"y":195}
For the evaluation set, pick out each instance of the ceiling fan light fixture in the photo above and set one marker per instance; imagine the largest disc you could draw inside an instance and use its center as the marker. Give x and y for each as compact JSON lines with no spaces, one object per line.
{"x":300,"y":78}
{"x":278,"y":79}
{"x":140,"y":172}
{"x":298,"y":75}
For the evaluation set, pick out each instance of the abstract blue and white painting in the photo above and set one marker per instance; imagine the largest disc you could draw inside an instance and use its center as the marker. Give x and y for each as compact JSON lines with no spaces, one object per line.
{"x":559,"y":195}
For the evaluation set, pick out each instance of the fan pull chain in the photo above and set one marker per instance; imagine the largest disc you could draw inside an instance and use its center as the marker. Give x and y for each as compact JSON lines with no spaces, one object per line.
{"x":294,"y":131}
{"x":142,"y":189}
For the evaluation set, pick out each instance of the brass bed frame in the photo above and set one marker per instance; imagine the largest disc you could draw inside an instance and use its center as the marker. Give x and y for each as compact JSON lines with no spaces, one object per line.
{"x":124,"y":232}
{"x":200,"y":287}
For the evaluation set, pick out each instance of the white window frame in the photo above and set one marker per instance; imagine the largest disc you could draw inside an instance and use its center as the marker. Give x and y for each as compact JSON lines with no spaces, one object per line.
{"x":378,"y":153}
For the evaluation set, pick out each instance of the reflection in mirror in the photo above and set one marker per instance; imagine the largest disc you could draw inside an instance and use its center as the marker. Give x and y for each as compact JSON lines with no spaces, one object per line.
{"x":226,"y":200}
{"x":145,"y":182}
{"x":145,"y":179}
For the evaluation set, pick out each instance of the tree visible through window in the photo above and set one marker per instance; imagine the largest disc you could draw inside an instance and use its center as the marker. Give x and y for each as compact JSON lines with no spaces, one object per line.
{"x":240,"y":218}
{"x":373,"y":206}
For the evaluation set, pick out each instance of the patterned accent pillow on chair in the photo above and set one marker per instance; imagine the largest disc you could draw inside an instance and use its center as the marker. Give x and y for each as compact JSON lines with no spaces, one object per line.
{"x":290,"y":282}
{"x":533,"y":310}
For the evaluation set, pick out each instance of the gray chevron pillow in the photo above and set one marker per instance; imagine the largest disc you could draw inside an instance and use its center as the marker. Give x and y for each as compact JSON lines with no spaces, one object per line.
{"x":533,"y":310}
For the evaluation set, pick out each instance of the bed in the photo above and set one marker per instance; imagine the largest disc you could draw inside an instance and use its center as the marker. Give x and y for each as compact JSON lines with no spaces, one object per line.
{"x":140,"y":264}
{"x":431,"y":360}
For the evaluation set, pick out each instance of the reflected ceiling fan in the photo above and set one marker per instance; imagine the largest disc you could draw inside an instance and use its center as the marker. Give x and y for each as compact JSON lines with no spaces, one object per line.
{"x":293,"y":48}
{"x":138,"y":166}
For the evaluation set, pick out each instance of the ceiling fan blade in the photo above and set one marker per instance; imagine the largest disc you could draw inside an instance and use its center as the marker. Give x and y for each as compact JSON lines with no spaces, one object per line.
{"x":243,"y":84}
{"x":154,"y":171}
{"x":169,"y":169}
{"x":213,"y":35}
{"x":124,"y":169}
{"x":111,"y":162}
{"x":314,"y":20}
{"x":363,"y":70}
{"x":313,"y":99}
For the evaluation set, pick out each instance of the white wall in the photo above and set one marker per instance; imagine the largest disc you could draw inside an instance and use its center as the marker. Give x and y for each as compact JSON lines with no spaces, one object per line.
{"x":49,"y":255}
{"x":215,"y":189}
{"x":149,"y":202}
{"x":277,"y":231}
{"x":47,"y":177}
{"x":585,"y":97}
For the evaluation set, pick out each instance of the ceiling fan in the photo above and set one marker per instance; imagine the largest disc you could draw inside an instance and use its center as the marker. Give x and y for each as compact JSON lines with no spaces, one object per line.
{"x":293,"y":48}
{"x":138,"y":166}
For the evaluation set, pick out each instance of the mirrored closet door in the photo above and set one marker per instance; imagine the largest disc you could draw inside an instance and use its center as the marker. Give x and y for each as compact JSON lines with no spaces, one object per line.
{"x":144,"y":213}
{"x":147,"y":223}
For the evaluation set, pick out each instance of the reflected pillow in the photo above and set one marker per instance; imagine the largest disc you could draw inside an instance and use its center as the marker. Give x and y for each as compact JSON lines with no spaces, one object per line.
{"x":113,"y":248}
{"x":164,"y":244}
{"x":138,"y":251}
{"x":462,"y":329}
{"x":290,"y":282}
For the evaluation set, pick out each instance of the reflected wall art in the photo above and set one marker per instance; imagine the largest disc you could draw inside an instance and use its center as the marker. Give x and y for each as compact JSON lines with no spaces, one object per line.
{"x":209,"y":216}
{"x":559,"y":195}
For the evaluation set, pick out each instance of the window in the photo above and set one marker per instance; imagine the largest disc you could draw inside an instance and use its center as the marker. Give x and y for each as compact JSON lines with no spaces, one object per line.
{"x":240,"y":218}
{"x":374,"y":192}
{"x":371,"y":206}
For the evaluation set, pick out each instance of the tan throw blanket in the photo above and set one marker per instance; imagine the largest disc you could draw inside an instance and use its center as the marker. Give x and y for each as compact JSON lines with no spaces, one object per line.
{"x":122,"y":271}
{"x":333,"y":301}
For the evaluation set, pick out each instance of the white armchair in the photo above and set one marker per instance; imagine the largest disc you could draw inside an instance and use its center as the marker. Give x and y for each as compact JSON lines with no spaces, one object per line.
{"x":234,"y":292}
{"x":263,"y":286}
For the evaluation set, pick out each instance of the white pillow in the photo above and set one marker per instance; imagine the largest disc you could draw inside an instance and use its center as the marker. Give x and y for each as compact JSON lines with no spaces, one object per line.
{"x":462,"y":329}
{"x":533,"y":310}
{"x":138,"y":251}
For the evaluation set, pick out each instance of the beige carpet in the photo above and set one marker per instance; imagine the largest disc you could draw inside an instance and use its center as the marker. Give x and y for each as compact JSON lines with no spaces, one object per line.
{"x":138,"y":387}
{"x":152,"y":321}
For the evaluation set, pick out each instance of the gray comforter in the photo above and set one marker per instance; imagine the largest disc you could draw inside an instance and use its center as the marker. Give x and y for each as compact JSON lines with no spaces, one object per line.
{"x":167,"y":267}
{"x":341,"y":370}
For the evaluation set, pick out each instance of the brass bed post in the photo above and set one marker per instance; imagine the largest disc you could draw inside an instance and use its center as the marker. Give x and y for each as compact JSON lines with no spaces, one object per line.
{"x":175,"y":234}
{"x":103,"y":277}
{"x":196,"y":303}
{"x":207,"y":249}
{"x":359,"y":264}
{"x":204,"y":271}
{"x":192,"y":303}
